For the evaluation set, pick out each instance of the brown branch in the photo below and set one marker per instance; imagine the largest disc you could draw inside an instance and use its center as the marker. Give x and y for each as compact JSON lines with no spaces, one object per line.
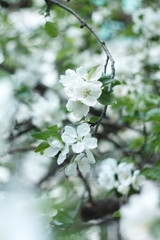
{"x":22,"y":149}
{"x":13,"y":6}
{"x":90,"y":199}
{"x":6,"y":69}
{"x":85,"y":24}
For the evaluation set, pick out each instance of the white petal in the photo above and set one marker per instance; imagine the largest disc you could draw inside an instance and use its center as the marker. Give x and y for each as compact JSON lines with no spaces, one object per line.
{"x":70,"y":105}
{"x":83,"y":129}
{"x":55,"y":143}
{"x":67,"y":138}
{"x":91,"y":143}
{"x":71,"y":131}
{"x":51,"y":152}
{"x":62,"y":155}
{"x":90,"y":101}
{"x":78,"y":147}
{"x":82,"y":72}
{"x":79,"y":157}
{"x":84,"y":167}
{"x":90,"y":156}
{"x":71,"y":169}
{"x":97,"y":74}
{"x":61,"y":158}
{"x":81,"y":111}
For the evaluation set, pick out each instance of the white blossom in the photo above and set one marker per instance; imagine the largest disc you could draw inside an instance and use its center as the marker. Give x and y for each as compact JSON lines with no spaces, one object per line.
{"x":46,"y":110}
{"x":83,"y":162}
{"x":124,"y":172}
{"x":106,"y":177}
{"x":78,"y":108}
{"x":140,"y":214}
{"x":80,"y":138}
{"x":83,"y":89}
{"x":88,"y":92}
{"x":57,"y":146}
{"x":148,"y":21}
{"x":119,"y":176}
{"x":137,"y":179}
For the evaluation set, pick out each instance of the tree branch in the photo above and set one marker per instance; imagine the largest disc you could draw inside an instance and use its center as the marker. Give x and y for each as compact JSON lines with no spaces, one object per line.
{"x":85,"y":24}
{"x":90,"y":199}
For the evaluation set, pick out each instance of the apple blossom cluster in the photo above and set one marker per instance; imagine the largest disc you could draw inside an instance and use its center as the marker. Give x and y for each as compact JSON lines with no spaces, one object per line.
{"x":80,"y":141}
{"x":46,"y":110}
{"x":140,"y":217}
{"x":119,"y":176}
{"x":83,"y":89}
{"x":148,"y":21}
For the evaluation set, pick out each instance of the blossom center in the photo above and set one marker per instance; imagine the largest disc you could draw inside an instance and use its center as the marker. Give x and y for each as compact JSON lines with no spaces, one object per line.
{"x":86,"y":92}
{"x":79,"y":139}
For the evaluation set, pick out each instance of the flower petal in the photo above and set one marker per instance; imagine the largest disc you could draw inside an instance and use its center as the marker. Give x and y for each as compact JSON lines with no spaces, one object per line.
{"x":84,"y":166}
{"x":83,"y":129}
{"x":90,"y":142}
{"x":90,"y":156}
{"x":71,"y":169}
{"x":67,"y":138}
{"x":51,"y":152}
{"x":78,"y":147}
{"x":71,"y":131}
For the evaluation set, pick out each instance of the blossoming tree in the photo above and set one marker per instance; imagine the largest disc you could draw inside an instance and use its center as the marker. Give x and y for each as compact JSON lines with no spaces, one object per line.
{"x":80,"y":120}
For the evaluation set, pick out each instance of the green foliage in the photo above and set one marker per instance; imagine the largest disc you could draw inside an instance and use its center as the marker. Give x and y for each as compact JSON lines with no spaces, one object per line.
{"x":93,"y":119}
{"x":106,"y":97}
{"x":52,"y":132}
{"x":152,"y":173}
{"x":116,"y":214}
{"x":51,"y":29}
{"x":153,"y":115}
{"x":41,"y":147}
{"x":63,"y":217}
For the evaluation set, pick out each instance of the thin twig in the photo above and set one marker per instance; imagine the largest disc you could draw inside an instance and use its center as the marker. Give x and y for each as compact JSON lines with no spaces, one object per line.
{"x":100,"y":120}
{"x":22,"y":149}
{"x":85,"y":24}
{"x":86,"y":185}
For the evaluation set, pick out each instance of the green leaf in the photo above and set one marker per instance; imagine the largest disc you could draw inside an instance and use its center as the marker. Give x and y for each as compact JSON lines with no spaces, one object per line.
{"x":46,"y":134}
{"x":54,"y":128}
{"x":51,"y":29}
{"x":153,"y":115}
{"x":94,"y":119}
{"x":63,"y":217}
{"x":152,"y":173}
{"x":92,"y":70}
{"x":106,"y":80}
{"x":41,"y":147}
{"x":116,"y":214}
{"x":106,"y":98}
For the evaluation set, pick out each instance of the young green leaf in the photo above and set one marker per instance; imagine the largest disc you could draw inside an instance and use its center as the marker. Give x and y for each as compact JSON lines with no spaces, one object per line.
{"x":42,"y":146}
{"x":51,"y":29}
{"x":54,"y":128}
{"x":92,"y":70}
{"x":106,"y":98}
{"x":94,"y":119}
{"x":46,"y":134}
